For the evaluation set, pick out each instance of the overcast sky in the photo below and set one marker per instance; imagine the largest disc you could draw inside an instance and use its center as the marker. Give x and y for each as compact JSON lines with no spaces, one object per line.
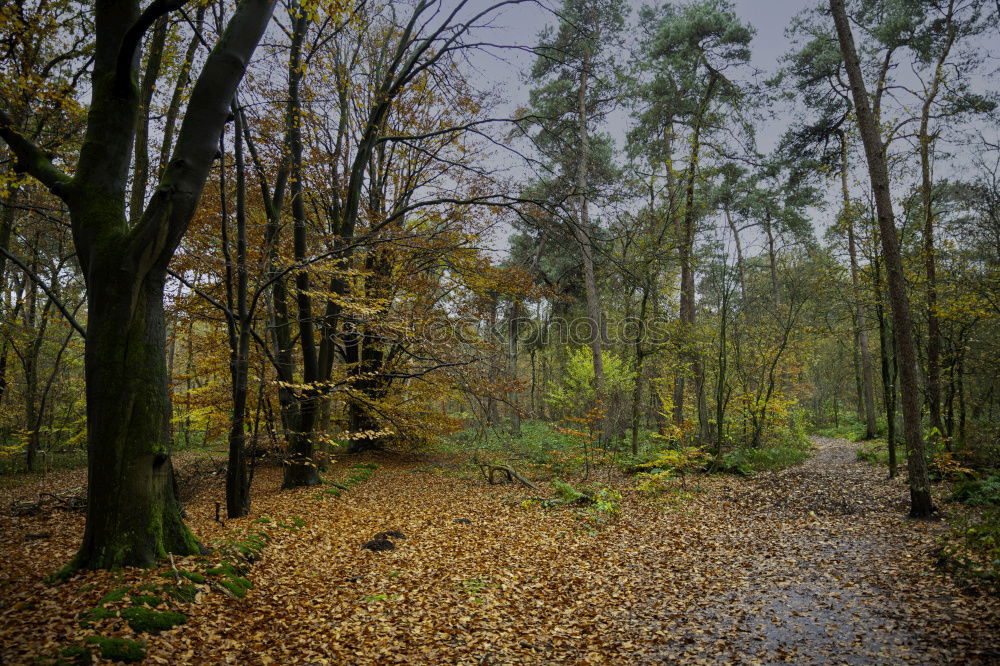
{"x":503,"y":71}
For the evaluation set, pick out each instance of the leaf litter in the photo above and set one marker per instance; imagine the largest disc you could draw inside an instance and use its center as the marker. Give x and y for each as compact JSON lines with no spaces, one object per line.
{"x":812,"y":564}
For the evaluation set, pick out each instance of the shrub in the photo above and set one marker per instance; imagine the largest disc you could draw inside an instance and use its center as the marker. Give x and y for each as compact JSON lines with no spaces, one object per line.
{"x":982,"y":492}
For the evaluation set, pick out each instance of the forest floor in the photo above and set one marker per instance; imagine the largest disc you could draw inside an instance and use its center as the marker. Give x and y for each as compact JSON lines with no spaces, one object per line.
{"x":813,"y":564}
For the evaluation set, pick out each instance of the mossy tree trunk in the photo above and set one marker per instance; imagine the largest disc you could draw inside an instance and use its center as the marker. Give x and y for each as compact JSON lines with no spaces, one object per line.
{"x":133,"y":516}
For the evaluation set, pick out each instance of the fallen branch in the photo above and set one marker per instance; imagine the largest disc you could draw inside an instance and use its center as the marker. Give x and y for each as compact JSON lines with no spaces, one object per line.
{"x":508,"y":474}
{"x":71,"y":500}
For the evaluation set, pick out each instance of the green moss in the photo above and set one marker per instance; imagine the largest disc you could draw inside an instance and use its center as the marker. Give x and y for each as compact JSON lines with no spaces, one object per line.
{"x":144,"y":620}
{"x":244,"y":582}
{"x":119,"y":649}
{"x":114,"y":595}
{"x":147,"y":600}
{"x":76,"y":655}
{"x":183,"y":593}
{"x":150,"y":587}
{"x":367,"y":465}
{"x":63,"y":574}
{"x":263,"y":520}
{"x":192,"y":576}
{"x":91,"y":615}
{"x":234,"y":587}
{"x":224,"y":569}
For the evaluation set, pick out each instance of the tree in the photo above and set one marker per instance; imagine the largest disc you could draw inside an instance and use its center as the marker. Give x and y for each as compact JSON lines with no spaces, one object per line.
{"x":576,"y":83}
{"x":133,"y":516}
{"x":690,"y":52}
{"x":920,"y":494}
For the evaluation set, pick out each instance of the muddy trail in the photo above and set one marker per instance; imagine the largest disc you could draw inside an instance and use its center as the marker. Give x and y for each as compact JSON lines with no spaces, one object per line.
{"x":813,"y":564}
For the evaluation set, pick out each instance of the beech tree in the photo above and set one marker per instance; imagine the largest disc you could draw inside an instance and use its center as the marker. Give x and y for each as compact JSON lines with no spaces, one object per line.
{"x":133,"y":516}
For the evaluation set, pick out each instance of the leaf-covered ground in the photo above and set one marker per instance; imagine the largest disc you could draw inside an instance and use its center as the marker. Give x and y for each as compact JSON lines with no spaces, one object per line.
{"x":815,"y":564}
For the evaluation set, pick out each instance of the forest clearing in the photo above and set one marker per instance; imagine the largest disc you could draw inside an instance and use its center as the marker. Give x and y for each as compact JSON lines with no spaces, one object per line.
{"x":812,"y":564}
{"x":499,"y":331}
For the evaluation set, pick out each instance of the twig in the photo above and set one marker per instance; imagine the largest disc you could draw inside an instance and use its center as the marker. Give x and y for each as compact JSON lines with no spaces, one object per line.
{"x":173,"y":566}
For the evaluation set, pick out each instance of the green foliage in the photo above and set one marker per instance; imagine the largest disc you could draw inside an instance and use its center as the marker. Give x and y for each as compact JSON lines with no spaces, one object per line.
{"x":566,"y":492}
{"x":146,"y":620}
{"x":981,"y":492}
{"x":851,"y":430}
{"x":746,"y":461}
{"x":119,"y":649}
{"x":575,"y":394}
{"x":605,"y":504}
{"x":971,"y":550}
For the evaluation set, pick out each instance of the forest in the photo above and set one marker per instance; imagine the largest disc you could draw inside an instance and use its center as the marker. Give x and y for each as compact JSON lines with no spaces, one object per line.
{"x":499,"y":331}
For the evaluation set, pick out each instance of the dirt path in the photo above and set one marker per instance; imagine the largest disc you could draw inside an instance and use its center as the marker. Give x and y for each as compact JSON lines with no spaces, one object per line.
{"x":814,"y":564}
{"x":834,"y":573}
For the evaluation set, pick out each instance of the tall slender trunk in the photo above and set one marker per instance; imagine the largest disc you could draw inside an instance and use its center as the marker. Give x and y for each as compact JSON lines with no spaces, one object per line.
{"x":920,"y":493}
{"x":140,"y":171}
{"x":687,"y":234}
{"x":925,"y":143}
{"x":720,"y":387}
{"x":739,"y":247}
{"x":582,"y":230}
{"x":867,"y":380}
{"x":640,"y":357}
{"x":772,"y":259}
{"x":237,"y":473}
{"x":887,"y":346}
{"x":301,"y":469}
{"x":512,"y":335}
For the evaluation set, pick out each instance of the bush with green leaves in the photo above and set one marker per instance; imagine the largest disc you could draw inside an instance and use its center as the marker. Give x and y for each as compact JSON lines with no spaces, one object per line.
{"x":979,"y":492}
{"x":574,"y":394}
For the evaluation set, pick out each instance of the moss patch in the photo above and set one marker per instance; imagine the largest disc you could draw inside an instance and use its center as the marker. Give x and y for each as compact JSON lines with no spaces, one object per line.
{"x":114,"y":595}
{"x":145,"y":620}
{"x":119,"y":649}
{"x":147,"y":600}
{"x":91,"y":615}
{"x":236,"y":586}
{"x":192,"y":576}
{"x":183,"y":593}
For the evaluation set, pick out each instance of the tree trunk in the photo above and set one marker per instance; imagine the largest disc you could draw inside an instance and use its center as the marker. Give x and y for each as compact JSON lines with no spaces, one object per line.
{"x":640,"y":357}
{"x":920,"y":492}
{"x":237,"y":473}
{"x":924,"y":142}
{"x":512,"y":335}
{"x":687,"y":233}
{"x":582,"y":231}
{"x":133,"y":516}
{"x":867,"y":380}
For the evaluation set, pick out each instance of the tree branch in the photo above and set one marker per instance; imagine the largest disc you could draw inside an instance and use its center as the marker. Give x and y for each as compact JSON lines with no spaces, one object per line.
{"x":48,"y":292}
{"x":133,"y":37}
{"x":31,"y":159}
